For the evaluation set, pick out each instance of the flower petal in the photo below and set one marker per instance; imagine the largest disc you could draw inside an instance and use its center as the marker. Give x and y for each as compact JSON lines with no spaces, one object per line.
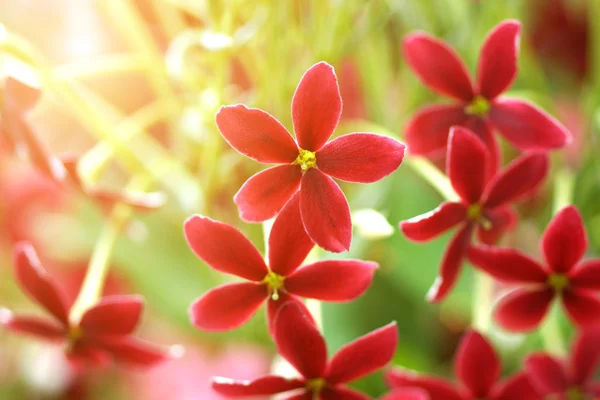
{"x":519,"y":178}
{"x":501,"y":219}
{"x":131,"y":351}
{"x":332,"y":280}
{"x":527,"y":126}
{"x":564,"y":241}
{"x":263,"y":195}
{"x":507,"y":265}
{"x":427,"y":132}
{"x":288,"y":242}
{"x":466,"y":164}
{"x":583,"y":307}
{"x":341,"y":393}
{"x":523,"y":309}
{"x":224,"y":248}
{"x":31,"y":325}
{"x":437,"y":388}
{"x":360,"y":157}
{"x":432,"y":224}
{"x":316,"y":106}
{"x":407,"y":394}
{"x":516,"y":387}
{"x":37,"y":283}
{"x":114,"y":315}
{"x":364,"y":355}
{"x":482,"y":129}
{"x":256,"y":134}
{"x":586,"y":275}
{"x":20,"y":96}
{"x":299,"y":341}
{"x":476,"y":364}
{"x":497,"y":68}
{"x":325,"y":212}
{"x":305,"y":395}
{"x":228,"y":306}
{"x":451,"y":264}
{"x":437,"y":65}
{"x":273,"y":307}
{"x":265,"y":385}
{"x":585,"y":356}
{"x":546,"y":374}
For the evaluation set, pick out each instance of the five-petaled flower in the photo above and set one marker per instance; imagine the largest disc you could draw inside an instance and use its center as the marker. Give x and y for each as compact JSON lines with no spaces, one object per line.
{"x":563,"y":276}
{"x":479,"y":108}
{"x":309,"y":162}
{"x":225,"y":249}
{"x":482,"y":206}
{"x":571,"y":379}
{"x":478,"y":368}
{"x":104,"y":331}
{"x":301,"y":344}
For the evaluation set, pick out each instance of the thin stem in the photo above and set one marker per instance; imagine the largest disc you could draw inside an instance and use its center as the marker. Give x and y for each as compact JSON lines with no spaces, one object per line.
{"x":564,"y":185}
{"x":483,"y":287}
{"x":433,"y":176}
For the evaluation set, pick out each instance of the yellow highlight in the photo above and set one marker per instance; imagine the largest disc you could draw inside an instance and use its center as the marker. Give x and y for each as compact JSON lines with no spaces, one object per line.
{"x":306,"y":159}
{"x":275,"y":283}
{"x":475,"y":213}
{"x":479,"y":106}
{"x":558,"y":282}
{"x":316,"y":385}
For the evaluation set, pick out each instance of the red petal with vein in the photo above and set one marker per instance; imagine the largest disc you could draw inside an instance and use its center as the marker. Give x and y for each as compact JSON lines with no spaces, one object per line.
{"x":546,"y":374}
{"x":466,"y":164}
{"x":299,"y":341}
{"x":516,"y":387}
{"x":564,"y":241}
{"x":586,"y":275}
{"x":518,"y":179}
{"x":507,"y":265}
{"x":228,"y":306}
{"x":224,"y":248}
{"x":502,"y":220}
{"x":451,"y":264}
{"x":583,"y":307}
{"x":256,"y":134}
{"x":427,"y":132}
{"x":265,"y":385}
{"x":497,"y":68}
{"x":316,"y":106}
{"x":438,"y":389}
{"x":263,"y":195}
{"x":476,"y":364}
{"x":527,"y":126}
{"x":432,"y":224}
{"x":131,"y":351}
{"x":342,"y":393}
{"x":325,"y":212}
{"x":37,"y":283}
{"x":113,"y":315}
{"x":364,"y":355}
{"x":407,"y":394}
{"x":585,"y":356}
{"x":332,"y":280}
{"x":273,"y":307}
{"x":360,"y":157}
{"x":523,"y":309}
{"x":437,"y":65}
{"x":31,"y":325}
{"x":288,"y":242}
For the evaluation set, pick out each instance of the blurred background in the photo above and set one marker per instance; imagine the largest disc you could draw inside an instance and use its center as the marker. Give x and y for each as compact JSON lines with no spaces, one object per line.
{"x":132,"y":87}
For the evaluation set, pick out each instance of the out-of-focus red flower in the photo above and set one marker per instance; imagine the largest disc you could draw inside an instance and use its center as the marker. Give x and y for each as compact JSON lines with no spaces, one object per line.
{"x":225,"y":249}
{"x":563,"y":276}
{"x":407,"y":394}
{"x":308,"y":163}
{"x":351,"y":91}
{"x":104,"y":331}
{"x":484,"y":206}
{"x":479,"y":106}
{"x":477,"y":368}
{"x":572,"y":378}
{"x":301,"y":344}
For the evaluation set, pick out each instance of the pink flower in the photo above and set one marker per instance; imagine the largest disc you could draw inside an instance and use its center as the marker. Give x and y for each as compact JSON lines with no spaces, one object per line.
{"x":308,"y":163}
{"x":225,"y":249}
{"x":301,"y":344}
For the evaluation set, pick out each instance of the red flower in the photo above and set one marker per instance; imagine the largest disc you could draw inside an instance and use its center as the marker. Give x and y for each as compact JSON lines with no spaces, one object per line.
{"x":309,"y":163}
{"x":104,"y":330}
{"x":479,"y":108}
{"x":576,"y":283}
{"x":477,"y":367}
{"x":407,"y":394}
{"x":483,"y":206}
{"x":225,"y":249}
{"x":301,"y":344}
{"x":572,"y":378}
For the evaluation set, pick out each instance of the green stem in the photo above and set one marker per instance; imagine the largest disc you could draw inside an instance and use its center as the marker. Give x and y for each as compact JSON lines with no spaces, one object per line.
{"x":433,"y":176}
{"x":482,"y":301}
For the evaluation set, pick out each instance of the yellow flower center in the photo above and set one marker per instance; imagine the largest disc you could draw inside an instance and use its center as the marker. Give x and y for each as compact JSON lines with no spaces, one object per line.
{"x":575,"y":394}
{"x":315,"y":385}
{"x":74,"y":334}
{"x":306,"y":159}
{"x":275,"y":283}
{"x":558,"y":282}
{"x":479,"y":106}
{"x":475,"y":214}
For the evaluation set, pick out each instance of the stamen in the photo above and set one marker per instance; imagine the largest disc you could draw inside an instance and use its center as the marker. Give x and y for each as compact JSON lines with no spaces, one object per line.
{"x":275,"y":283}
{"x":558,"y":281}
{"x":475,"y":214}
{"x":316,"y":385}
{"x":479,"y":106}
{"x":306,"y":159}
